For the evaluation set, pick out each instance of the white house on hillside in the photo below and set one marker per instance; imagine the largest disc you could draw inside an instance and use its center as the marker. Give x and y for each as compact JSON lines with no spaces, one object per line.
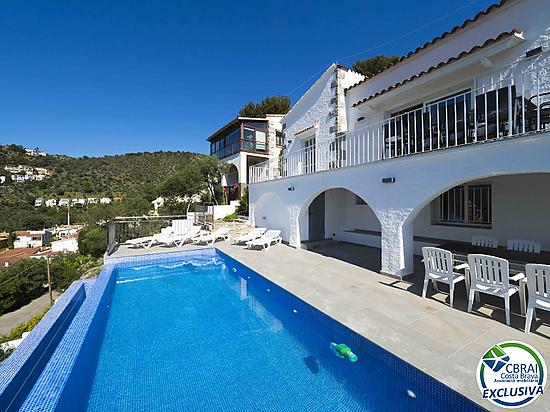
{"x":243,"y":142}
{"x":39,"y":202}
{"x":450,"y":142}
{"x":32,"y":238}
{"x":51,"y":202}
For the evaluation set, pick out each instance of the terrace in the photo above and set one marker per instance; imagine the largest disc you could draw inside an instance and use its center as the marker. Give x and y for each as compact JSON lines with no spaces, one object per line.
{"x":343,"y":281}
{"x":510,"y":102}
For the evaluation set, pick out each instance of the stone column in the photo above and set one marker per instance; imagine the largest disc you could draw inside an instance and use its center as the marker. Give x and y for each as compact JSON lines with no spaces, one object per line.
{"x":397,"y":241}
{"x":294,"y":233}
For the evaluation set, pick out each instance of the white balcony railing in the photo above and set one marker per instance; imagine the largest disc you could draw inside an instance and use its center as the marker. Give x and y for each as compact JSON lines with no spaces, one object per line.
{"x":511,"y":101}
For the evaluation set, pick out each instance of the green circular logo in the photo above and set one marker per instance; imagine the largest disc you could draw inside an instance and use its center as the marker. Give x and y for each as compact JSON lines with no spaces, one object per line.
{"x":511,"y":374}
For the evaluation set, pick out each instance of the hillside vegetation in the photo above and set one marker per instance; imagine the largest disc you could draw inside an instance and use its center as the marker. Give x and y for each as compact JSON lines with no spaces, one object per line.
{"x":117,"y":176}
{"x":132,"y":179}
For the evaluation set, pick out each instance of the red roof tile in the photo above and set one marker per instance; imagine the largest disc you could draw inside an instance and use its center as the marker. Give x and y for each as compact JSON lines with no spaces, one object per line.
{"x":447,"y":33}
{"x":431,"y":69}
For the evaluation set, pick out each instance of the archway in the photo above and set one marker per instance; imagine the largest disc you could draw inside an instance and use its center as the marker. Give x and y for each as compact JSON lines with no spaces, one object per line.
{"x":346,"y":227}
{"x":232,"y":181}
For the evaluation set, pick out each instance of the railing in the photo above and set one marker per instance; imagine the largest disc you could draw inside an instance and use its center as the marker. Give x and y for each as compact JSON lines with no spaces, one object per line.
{"x":511,"y":101}
{"x":122,"y":229}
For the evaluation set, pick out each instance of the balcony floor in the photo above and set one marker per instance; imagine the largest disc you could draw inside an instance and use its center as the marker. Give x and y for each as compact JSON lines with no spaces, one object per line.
{"x":341,"y":279}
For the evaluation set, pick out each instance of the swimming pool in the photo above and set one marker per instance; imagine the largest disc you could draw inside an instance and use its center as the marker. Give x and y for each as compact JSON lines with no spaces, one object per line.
{"x":199,"y":331}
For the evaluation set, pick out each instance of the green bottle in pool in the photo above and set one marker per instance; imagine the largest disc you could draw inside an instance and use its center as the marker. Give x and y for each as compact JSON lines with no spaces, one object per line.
{"x":346,"y":352}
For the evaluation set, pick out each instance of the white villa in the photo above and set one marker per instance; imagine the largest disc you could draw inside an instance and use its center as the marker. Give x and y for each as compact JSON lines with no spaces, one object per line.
{"x":64,"y":202}
{"x":32,"y":238}
{"x":39,"y":202}
{"x":105,"y":200}
{"x":243,"y":142}
{"x":51,"y":203}
{"x":451,"y":142}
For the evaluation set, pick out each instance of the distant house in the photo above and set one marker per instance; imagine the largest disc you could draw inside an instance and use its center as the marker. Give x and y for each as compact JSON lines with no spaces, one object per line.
{"x":29,"y":176}
{"x":79,"y":202}
{"x":32,"y":238}
{"x":67,"y":232}
{"x":105,"y":200}
{"x":65,"y":202}
{"x":2,"y":179}
{"x":65,"y":245}
{"x":42,"y":171}
{"x":18,"y":178}
{"x":39,"y":202}
{"x":12,"y":169}
{"x":92,"y":200}
{"x":40,"y":177}
{"x":51,"y":202}
{"x":35,"y":152}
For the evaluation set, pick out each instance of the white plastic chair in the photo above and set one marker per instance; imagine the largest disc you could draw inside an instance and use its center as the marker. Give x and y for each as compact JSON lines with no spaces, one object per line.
{"x":524,"y":245}
{"x":439,"y":268}
{"x":538,"y":284}
{"x":485,"y":241}
{"x":491,"y":275}
{"x":210,"y":238}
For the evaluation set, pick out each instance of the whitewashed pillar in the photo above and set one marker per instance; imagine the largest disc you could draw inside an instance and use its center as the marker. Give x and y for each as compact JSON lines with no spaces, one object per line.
{"x":294,"y":232}
{"x":251,"y":209}
{"x":397,"y":241}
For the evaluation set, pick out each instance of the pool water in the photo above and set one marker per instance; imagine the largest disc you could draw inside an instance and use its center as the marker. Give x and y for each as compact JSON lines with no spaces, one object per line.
{"x":211,"y":335}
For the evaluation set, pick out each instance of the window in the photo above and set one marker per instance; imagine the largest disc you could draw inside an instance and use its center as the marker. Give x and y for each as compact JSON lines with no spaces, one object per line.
{"x":465,"y":205}
{"x":279,"y":138}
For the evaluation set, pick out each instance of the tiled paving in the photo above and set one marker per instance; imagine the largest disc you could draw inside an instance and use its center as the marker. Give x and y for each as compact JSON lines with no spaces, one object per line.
{"x":341,"y":280}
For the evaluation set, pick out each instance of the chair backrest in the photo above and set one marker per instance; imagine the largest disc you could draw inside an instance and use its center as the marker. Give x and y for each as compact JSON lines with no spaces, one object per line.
{"x":193,"y":231}
{"x":438,"y":261}
{"x":257,"y":231}
{"x":484,"y":241}
{"x":222,"y":231}
{"x":524,"y":245}
{"x":181,"y":226}
{"x":489,"y":271}
{"x":538,"y":281}
{"x":272,"y":234}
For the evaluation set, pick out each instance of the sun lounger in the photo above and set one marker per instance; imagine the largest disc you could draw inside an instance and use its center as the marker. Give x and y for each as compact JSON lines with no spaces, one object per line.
{"x":271,"y":236}
{"x":148,"y":241}
{"x":179,"y":239}
{"x":247,"y":237}
{"x":210,"y":238}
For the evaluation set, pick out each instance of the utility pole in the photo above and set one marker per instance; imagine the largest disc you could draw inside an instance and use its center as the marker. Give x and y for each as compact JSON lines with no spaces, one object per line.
{"x":49,"y":279}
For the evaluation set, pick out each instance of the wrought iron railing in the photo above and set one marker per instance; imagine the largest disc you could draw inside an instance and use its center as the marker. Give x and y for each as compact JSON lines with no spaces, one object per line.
{"x":511,"y":101}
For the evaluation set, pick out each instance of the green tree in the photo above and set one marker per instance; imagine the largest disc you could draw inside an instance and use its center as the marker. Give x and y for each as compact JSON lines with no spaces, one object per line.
{"x":374,"y":64}
{"x":279,"y":104}
{"x":242,"y":209}
{"x":93,"y":241}
{"x":185,"y":182}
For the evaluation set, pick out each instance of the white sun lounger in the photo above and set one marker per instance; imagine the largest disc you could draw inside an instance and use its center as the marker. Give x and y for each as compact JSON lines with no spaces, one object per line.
{"x":179,"y":239}
{"x":148,"y":241}
{"x":247,"y":237}
{"x":221,"y":233}
{"x":271,"y":236}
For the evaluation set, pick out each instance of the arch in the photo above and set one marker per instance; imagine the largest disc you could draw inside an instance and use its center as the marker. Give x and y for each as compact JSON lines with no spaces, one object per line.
{"x":232,"y":175}
{"x":450,"y":184}
{"x":271,"y":212}
{"x":345,"y":212}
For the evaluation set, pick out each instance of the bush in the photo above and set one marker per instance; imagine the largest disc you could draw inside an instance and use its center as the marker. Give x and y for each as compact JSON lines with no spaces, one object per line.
{"x":242,"y":209}
{"x":93,"y":241}
{"x":230,"y":217}
{"x":21,"y":283}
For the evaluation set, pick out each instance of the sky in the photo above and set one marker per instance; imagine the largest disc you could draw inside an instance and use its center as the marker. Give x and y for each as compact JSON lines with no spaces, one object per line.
{"x":95,"y":78}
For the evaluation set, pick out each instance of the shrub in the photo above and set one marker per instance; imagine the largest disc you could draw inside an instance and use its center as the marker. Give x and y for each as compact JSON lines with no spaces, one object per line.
{"x":242,"y":209}
{"x":93,"y":241}
{"x":230,"y":217}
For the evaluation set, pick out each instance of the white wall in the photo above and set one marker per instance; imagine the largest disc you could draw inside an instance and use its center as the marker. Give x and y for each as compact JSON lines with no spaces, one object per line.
{"x":419,"y":179}
{"x":271,"y":212}
{"x":68,"y":245}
